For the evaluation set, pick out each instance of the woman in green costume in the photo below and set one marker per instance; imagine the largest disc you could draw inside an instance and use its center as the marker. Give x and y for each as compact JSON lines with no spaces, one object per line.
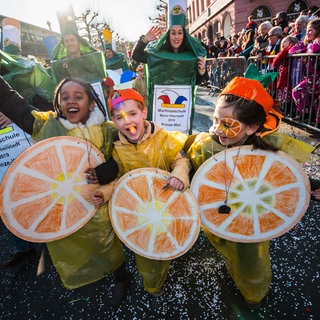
{"x":174,"y":62}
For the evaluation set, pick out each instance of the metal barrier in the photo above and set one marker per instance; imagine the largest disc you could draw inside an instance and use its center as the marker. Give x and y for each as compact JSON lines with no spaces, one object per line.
{"x":301,"y":82}
{"x":307,"y":112}
{"x":224,"y":69}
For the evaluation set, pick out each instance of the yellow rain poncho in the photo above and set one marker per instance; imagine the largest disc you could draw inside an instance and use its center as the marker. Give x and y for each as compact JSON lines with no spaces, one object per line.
{"x":247,"y":263}
{"x":94,"y":251}
{"x":158,"y":149}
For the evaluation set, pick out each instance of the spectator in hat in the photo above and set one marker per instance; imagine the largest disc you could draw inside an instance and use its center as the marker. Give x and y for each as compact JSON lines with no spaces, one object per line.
{"x":281,"y":20}
{"x":251,"y":24}
{"x":108,"y":86}
{"x":115,"y":60}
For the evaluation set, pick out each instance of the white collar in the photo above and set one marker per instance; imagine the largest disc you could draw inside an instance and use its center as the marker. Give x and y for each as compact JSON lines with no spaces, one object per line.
{"x":95,"y":118}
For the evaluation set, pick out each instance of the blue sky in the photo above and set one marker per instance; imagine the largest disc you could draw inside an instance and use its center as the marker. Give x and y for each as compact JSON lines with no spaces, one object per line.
{"x":129,"y":18}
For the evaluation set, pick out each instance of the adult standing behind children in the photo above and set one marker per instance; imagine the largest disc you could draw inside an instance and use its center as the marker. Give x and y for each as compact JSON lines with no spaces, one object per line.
{"x":300,"y":28}
{"x":281,"y":21}
{"x":175,"y":65}
{"x":261,"y":41}
{"x":93,"y":251}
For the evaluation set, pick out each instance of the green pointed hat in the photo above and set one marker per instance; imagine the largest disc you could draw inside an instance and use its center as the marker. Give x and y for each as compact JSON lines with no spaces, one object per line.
{"x":177,"y":12}
{"x":67,"y":21}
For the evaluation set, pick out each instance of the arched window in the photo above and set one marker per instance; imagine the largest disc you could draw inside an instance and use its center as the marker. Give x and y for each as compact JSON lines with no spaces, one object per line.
{"x":261,"y":14}
{"x":295,"y":8}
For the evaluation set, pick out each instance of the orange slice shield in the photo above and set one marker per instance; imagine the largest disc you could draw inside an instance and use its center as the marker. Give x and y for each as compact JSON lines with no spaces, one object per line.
{"x":153,"y":222}
{"x":269,"y":193}
{"x":44,"y":195}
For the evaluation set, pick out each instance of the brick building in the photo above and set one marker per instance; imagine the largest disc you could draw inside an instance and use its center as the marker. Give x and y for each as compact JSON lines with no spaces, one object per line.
{"x":209,"y":19}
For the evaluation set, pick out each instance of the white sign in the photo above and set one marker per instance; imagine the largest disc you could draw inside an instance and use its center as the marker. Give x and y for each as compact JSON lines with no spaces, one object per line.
{"x":13,"y":141}
{"x":172,"y":106}
{"x":99,"y":91}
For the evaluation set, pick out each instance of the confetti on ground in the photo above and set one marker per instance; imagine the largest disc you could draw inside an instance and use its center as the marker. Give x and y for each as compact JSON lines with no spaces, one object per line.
{"x":198,"y":286}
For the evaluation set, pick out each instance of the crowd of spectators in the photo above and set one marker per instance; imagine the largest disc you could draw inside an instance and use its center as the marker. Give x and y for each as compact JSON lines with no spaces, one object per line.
{"x":268,"y":38}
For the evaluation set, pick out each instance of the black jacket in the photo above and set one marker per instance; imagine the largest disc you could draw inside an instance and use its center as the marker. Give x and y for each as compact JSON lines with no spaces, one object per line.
{"x":15,"y":107}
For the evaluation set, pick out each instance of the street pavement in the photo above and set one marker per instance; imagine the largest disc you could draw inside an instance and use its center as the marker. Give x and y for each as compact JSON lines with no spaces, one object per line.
{"x":198,"y":285}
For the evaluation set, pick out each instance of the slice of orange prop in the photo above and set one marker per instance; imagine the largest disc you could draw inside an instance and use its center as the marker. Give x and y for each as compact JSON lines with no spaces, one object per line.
{"x":44,"y":194}
{"x":269,"y":193}
{"x":153,"y":222}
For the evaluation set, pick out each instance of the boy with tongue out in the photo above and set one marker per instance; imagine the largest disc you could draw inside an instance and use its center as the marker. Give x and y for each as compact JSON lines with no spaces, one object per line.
{"x":142,"y":144}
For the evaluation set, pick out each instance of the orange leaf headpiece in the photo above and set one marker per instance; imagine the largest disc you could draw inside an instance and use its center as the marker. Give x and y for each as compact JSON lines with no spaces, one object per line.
{"x":251,"y":89}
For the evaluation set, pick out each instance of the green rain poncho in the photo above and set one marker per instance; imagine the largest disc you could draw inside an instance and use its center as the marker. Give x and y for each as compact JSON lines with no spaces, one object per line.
{"x":27,"y":76}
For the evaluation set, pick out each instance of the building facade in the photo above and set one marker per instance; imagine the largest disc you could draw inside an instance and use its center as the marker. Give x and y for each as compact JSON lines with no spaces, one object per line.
{"x":32,"y":39}
{"x":210,"y":19}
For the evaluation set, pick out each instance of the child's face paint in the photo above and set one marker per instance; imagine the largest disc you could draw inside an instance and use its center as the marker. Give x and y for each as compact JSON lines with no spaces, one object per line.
{"x":132,"y":129}
{"x":229,"y":130}
{"x":228,"y":126}
{"x":129,"y":119}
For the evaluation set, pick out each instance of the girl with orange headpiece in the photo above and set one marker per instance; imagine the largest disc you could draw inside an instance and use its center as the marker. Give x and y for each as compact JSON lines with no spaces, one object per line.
{"x":244,"y":115}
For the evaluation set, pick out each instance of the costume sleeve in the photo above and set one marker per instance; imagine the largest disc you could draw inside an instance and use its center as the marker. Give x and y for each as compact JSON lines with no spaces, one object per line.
{"x":15,"y":107}
{"x":297,"y":149}
{"x":125,"y":65}
{"x":181,"y":168}
{"x":107,"y":190}
{"x":138,"y":53}
{"x":107,"y":172}
{"x":246,"y":52}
